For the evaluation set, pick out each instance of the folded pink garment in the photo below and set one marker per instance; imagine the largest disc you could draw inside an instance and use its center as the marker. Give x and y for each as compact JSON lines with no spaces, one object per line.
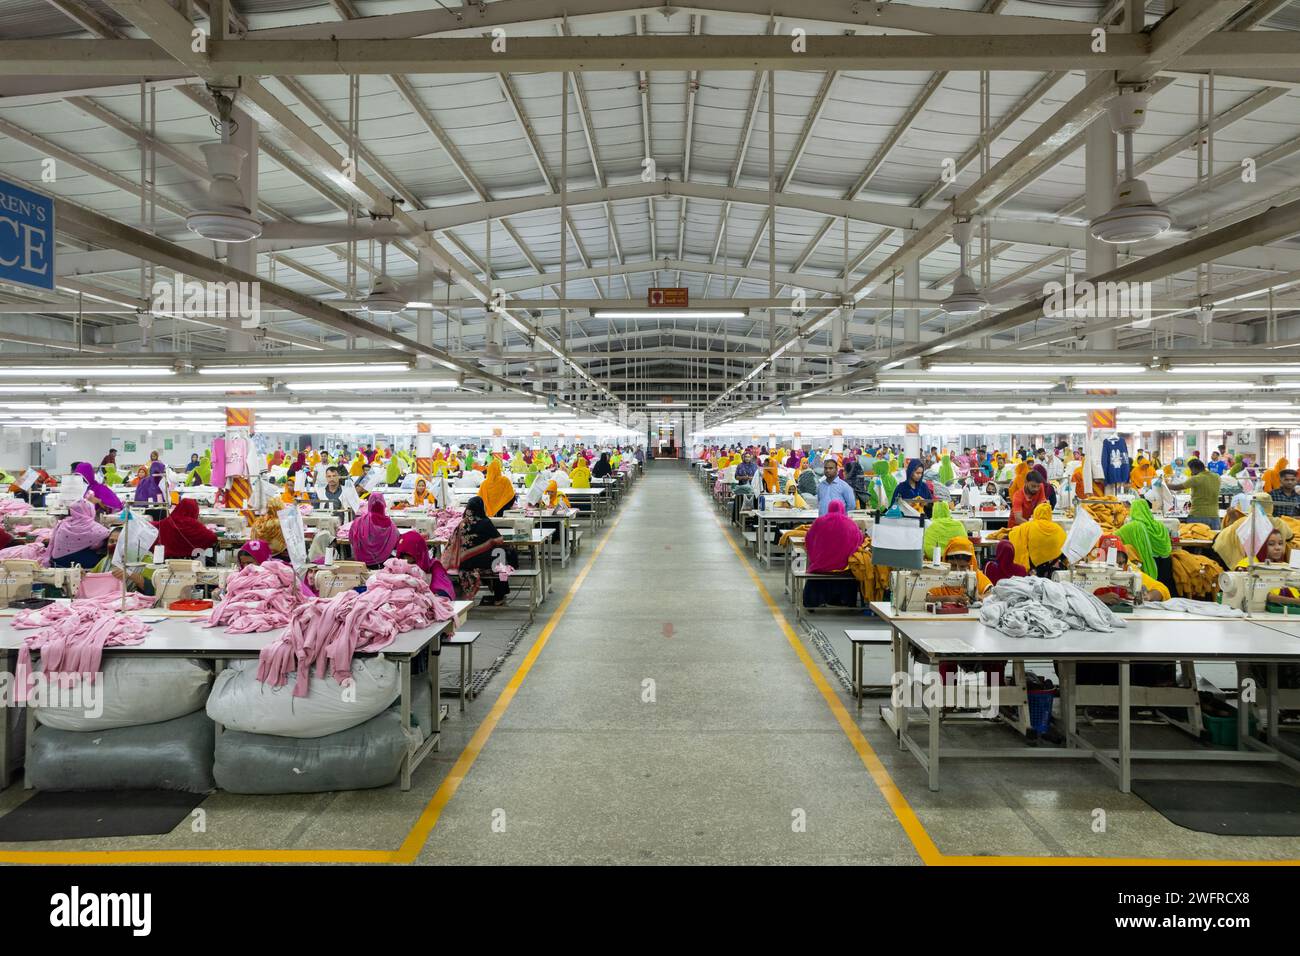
{"x":27,"y":552}
{"x":259,"y":597}
{"x":71,"y":641}
{"x":13,"y":506}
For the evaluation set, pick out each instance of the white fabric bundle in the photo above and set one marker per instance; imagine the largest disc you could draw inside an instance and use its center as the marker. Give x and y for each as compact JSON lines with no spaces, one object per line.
{"x":1039,"y":607}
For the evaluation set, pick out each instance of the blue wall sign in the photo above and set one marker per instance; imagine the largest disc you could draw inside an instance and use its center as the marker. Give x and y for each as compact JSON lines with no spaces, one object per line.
{"x":26,"y":237}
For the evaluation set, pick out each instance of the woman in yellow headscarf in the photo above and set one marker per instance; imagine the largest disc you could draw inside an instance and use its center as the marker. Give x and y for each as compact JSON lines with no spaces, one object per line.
{"x":771,"y":476}
{"x":496,"y":491}
{"x":1273,"y":476}
{"x":419,"y":497}
{"x":517,"y":464}
{"x":1142,"y":473}
{"x":580,"y":474}
{"x":267,"y":528}
{"x":1022,"y":469}
{"x":553,"y":497}
{"x":358,"y":466}
{"x":796,"y":499}
{"x":440,"y":463}
{"x":1227,"y":545}
{"x":1038,"y":541}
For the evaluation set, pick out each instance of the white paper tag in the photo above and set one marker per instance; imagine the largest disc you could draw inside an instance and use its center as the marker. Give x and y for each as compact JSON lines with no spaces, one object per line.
{"x":29,"y":479}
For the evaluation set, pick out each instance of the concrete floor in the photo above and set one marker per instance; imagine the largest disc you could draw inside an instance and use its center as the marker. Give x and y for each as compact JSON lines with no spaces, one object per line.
{"x":734,"y":749}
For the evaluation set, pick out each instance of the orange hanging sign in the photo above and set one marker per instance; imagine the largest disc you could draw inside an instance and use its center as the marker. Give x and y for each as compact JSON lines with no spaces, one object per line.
{"x":1101,"y":418}
{"x":913,"y":428}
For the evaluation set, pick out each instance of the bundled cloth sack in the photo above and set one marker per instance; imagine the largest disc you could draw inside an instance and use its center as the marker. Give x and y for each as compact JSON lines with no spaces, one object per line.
{"x":240,"y":702}
{"x":134,"y":691}
{"x":169,"y":755}
{"x":1040,"y":607}
{"x":359,"y":758}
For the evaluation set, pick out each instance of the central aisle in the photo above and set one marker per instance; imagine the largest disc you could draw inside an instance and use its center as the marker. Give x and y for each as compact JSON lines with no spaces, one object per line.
{"x":736,"y":745}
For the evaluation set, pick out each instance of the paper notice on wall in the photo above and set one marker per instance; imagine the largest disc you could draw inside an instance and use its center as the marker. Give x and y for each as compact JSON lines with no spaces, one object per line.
{"x":30,"y":477}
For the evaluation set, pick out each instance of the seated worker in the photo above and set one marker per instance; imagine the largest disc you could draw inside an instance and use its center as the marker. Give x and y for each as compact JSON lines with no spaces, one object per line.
{"x":1039,"y":543}
{"x":253,"y":552}
{"x":137,"y":579}
{"x":1150,"y":539}
{"x":1286,"y":500}
{"x":1152,"y":590}
{"x":1028,"y":497}
{"x":497,"y":492}
{"x":831,"y":540}
{"x":913,"y":488}
{"x":77,"y":540}
{"x":182,"y":534}
{"x":833,"y":488}
{"x":960,"y":555}
{"x":330,"y":497}
{"x":474,"y":553}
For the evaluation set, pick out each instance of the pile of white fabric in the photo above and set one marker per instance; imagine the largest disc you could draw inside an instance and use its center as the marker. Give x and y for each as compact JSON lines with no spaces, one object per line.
{"x":1039,"y":607}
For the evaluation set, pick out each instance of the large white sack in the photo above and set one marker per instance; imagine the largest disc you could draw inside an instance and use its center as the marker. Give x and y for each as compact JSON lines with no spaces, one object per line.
{"x":240,"y":702}
{"x":133,"y":691}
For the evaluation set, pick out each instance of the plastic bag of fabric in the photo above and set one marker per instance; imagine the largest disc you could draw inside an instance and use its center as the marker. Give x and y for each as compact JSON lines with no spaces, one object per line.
{"x":360,"y":758}
{"x":240,"y":702}
{"x":133,"y":691}
{"x":171,"y":755}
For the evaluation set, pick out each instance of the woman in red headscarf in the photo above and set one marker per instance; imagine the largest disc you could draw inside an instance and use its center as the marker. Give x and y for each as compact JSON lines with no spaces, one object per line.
{"x":182,"y":534}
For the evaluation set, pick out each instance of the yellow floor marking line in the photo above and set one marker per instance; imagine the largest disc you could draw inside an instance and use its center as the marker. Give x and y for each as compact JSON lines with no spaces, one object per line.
{"x":903,"y":812}
{"x":415,"y":838}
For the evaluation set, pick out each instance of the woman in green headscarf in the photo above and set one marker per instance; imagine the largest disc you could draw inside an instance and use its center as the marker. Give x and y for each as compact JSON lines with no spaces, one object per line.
{"x":884,"y":470}
{"x":943,"y":527}
{"x":532,"y":473}
{"x":204,"y":471}
{"x":1149,"y":538}
{"x":947,"y":473}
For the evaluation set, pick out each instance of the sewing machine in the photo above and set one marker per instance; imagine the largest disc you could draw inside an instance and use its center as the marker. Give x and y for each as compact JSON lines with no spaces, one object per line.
{"x":522,"y":527}
{"x":974,"y":526}
{"x":910,"y":588}
{"x":1248,"y":589}
{"x":177,"y":579}
{"x":339,"y":577}
{"x":1090,"y":576}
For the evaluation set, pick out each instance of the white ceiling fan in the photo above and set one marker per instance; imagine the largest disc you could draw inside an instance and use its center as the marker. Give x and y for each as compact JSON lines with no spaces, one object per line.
{"x":221,"y":214}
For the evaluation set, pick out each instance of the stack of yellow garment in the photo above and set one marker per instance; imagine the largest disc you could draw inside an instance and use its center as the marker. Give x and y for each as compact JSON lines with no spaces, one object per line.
{"x":1195,"y":575}
{"x":873,"y":581}
{"x":1293,"y":524}
{"x":797,"y":533}
{"x":1195,"y":531}
{"x":1107,"y":512}
{"x":997,"y":534}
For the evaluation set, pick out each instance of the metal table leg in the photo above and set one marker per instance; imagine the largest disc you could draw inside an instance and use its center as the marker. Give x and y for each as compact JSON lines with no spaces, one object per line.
{"x":936,"y":710}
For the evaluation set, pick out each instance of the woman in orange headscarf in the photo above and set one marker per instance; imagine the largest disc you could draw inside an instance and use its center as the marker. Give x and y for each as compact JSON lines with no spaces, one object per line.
{"x":1022,"y":469}
{"x":496,"y":491}
{"x":553,"y":497}
{"x":1273,"y":477}
{"x":771,"y":476}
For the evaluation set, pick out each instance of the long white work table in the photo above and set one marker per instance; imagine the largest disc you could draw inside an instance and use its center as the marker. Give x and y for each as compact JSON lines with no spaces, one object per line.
{"x":184,"y":637}
{"x":1150,"y":635}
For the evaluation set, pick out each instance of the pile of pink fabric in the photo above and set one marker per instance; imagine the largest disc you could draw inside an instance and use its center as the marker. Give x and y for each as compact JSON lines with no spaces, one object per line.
{"x":35,"y":551}
{"x":259,"y":597}
{"x":71,"y":640}
{"x":448,"y":521}
{"x":13,"y":506}
{"x":325,"y":635}
{"x":342,"y":533}
{"x":113,"y":602}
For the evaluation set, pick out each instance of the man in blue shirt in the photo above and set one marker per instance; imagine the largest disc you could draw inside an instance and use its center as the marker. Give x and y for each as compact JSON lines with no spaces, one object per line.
{"x":1217,"y":464}
{"x":832,"y":487}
